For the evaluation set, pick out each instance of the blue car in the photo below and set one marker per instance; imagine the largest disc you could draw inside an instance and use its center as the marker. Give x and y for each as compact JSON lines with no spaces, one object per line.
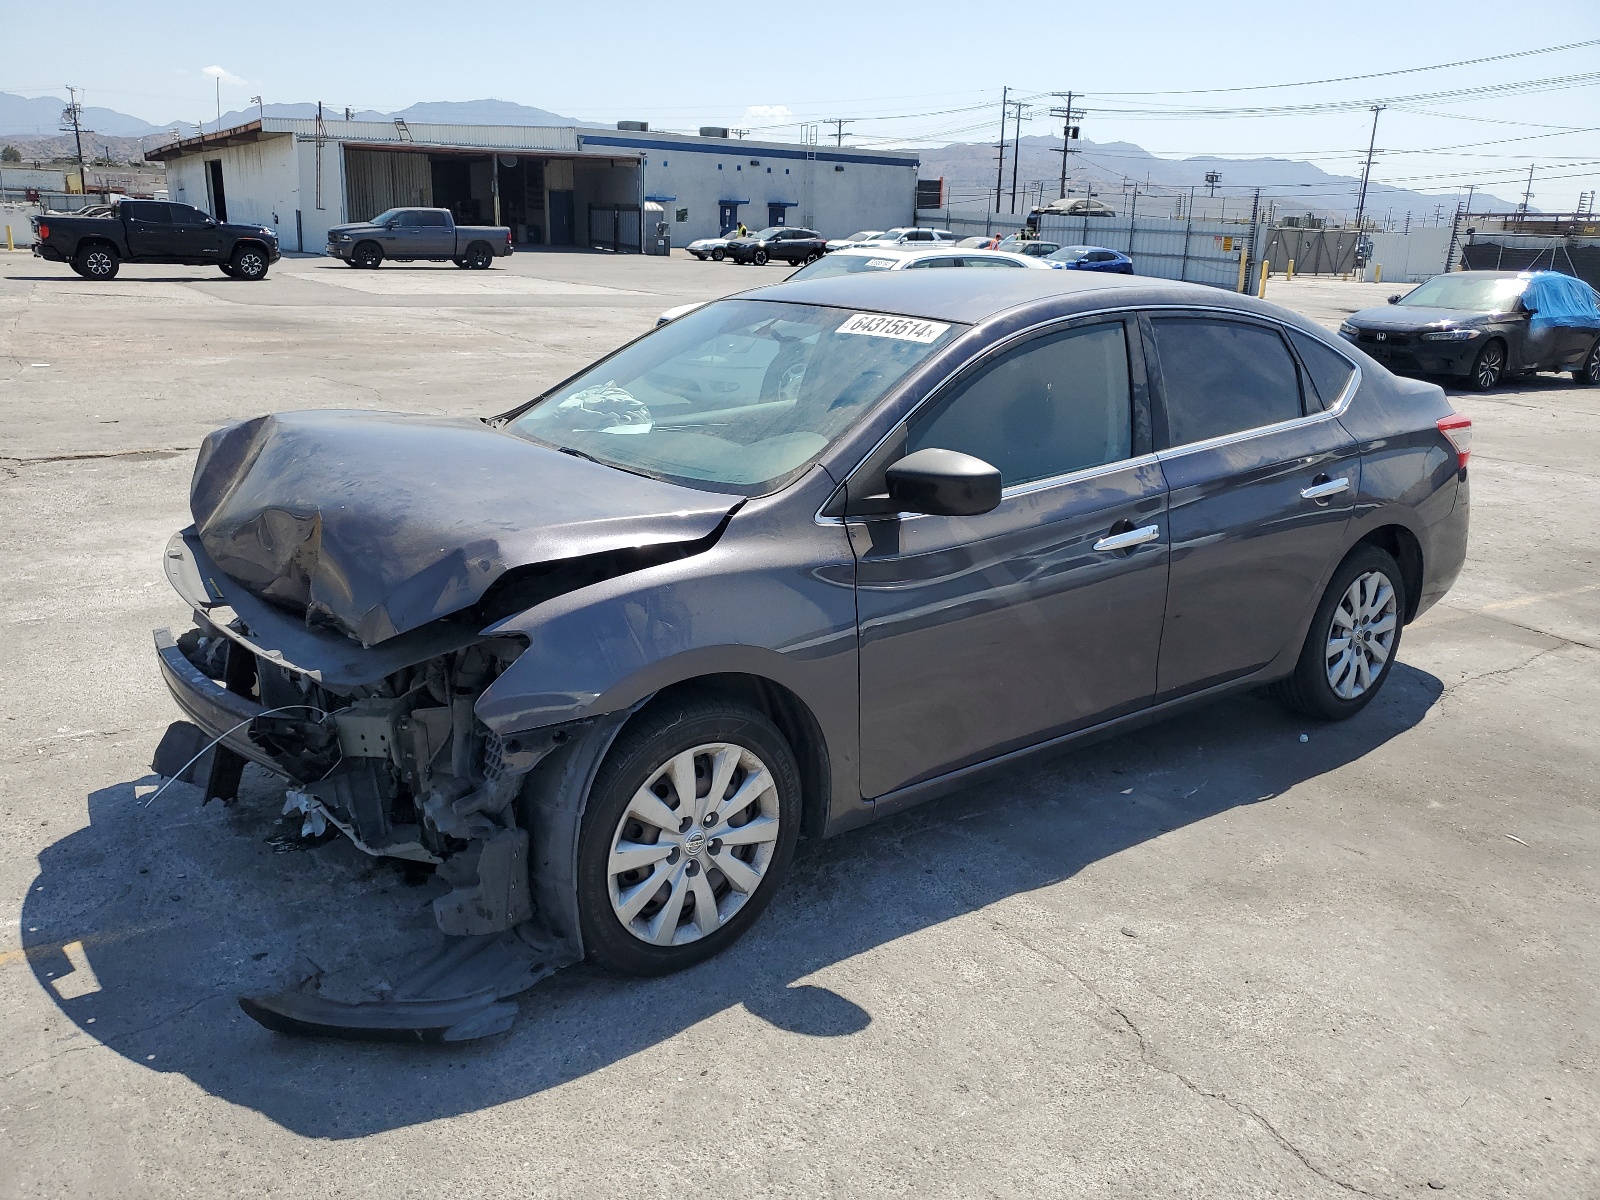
{"x":1091,"y":258}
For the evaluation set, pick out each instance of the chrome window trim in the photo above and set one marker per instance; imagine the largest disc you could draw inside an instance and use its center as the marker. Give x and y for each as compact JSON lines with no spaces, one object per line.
{"x":1333,"y":411}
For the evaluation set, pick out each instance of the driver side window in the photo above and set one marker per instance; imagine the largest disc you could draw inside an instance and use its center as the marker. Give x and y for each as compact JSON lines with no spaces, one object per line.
{"x":1059,"y":403}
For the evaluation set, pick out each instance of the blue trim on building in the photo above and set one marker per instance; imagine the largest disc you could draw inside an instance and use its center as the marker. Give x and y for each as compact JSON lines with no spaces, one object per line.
{"x":733,"y":201}
{"x":783,"y":204}
{"x":745,"y":150}
{"x":661,"y":199}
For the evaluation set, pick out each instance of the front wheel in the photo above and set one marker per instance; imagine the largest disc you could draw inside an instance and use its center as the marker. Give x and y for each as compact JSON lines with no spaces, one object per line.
{"x":249,"y":263}
{"x":1353,"y":639}
{"x":718,"y":255}
{"x":226,"y":269}
{"x":1488,"y":367}
{"x":688,"y":832}
{"x":368,"y":255}
{"x":1589,"y":373}
{"x":759,"y":258}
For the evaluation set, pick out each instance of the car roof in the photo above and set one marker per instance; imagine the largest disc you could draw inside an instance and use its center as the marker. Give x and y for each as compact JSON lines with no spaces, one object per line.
{"x":974,"y":296}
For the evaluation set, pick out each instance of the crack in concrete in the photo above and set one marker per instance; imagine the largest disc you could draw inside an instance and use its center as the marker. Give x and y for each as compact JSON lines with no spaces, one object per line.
{"x":95,"y":456}
{"x":1502,"y":671}
{"x":1150,"y":1059}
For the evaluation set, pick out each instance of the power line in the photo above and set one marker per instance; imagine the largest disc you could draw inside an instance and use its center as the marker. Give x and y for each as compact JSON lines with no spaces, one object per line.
{"x":1265,"y":87}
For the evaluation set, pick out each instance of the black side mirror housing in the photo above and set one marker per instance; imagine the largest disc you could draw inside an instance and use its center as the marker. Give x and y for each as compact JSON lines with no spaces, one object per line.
{"x":1395,"y":299}
{"x":943,"y":483}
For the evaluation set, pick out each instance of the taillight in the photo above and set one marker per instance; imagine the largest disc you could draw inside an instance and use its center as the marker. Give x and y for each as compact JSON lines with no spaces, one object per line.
{"x":44,"y":231}
{"x":1458,"y":429}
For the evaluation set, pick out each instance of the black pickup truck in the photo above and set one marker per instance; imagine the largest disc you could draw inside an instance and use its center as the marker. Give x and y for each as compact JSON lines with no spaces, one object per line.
{"x":153,"y":231}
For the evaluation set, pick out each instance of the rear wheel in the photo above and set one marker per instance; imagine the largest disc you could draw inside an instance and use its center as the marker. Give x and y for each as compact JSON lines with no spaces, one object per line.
{"x":1488,"y":367}
{"x":479,"y":257}
{"x":688,"y":832}
{"x":97,"y":262}
{"x":249,"y":263}
{"x":368,"y":255}
{"x":1589,"y":373}
{"x":1353,"y":639}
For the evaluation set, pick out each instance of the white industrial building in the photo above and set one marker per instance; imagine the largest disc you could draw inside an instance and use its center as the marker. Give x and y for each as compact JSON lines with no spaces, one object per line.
{"x":552,"y":185}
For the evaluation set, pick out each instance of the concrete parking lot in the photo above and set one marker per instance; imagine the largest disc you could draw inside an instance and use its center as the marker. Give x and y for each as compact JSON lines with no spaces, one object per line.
{"x":1230,"y":956}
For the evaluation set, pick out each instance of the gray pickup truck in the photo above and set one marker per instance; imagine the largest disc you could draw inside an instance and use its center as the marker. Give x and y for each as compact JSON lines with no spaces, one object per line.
{"x":407,"y":234}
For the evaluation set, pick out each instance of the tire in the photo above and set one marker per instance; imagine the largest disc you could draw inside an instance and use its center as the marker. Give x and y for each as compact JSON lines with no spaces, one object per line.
{"x":479,"y":257}
{"x":718,"y":255}
{"x":226,"y":269}
{"x":759,"y":258}
{"x":97,"y":261}
{"x":462,"y":263}
{"x":1589,"y":373}
{"x":248,"y":263}
{"x":1489,"y":367}
{"x":349,"y":262}
{"x":624,"y":926}
{"x":1367,"y":593}
{"x":368,"y":255}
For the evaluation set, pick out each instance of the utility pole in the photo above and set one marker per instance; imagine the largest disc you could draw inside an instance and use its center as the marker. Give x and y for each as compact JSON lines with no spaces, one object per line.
{"x":72,"y":118}
{"x":1069,"y":134}
{"x":1016,"y":152}
{"x":1366,"y":171}
{"x":261,"y":109}
{"x":838,"y":124}
{"x":1527,"y":192}
{"x":1000,"y":167}
{"x":219,"y":103}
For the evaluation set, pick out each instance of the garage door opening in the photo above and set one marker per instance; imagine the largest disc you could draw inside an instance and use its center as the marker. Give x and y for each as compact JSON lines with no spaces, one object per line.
{"x":543,"y":200}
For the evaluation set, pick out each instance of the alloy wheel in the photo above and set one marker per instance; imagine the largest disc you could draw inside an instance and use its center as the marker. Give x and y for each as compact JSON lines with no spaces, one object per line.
{"x":1591,"y":366}
{"x":97,"y":263}
{"x":1361,"y":635}
{"x":251,"y":265}
{"x":694,"y":844}
{"x":1490,"y":363}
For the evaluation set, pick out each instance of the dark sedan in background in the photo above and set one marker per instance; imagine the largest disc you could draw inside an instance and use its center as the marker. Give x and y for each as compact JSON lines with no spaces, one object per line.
{"x":1480,"y":326}
{"x":792,"y":562}
{"x":785,"y":245}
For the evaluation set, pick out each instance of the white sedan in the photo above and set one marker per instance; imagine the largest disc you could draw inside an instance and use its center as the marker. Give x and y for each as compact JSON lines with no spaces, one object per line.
{"x":848,"y":262}
{"x":715,"y":248}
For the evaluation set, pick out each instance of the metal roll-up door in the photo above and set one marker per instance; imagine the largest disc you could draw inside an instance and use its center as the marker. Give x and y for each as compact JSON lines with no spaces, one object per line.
{"x":376,"y":180}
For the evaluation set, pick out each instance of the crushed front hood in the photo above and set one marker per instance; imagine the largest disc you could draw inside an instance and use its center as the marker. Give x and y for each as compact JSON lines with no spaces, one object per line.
{"x":378,"y":523}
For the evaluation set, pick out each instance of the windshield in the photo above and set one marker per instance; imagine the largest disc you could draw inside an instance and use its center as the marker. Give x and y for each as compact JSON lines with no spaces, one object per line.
{"x":863,"y":235}
{"x":844,"y":264}
{"x":769,"y":231}
{"x":386,"y":216}
{"x":1467,"y":293}
{"x":1070,"y":253}
{"x":739,"y":395}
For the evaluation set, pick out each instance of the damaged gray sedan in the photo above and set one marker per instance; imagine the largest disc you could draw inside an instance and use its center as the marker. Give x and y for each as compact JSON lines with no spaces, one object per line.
{"x":791,"y":562}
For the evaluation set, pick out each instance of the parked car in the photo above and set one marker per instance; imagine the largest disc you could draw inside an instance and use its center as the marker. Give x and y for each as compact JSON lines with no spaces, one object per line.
{"x":859,"y":238}
{"x":912,"y":237}
{"x":1073,"y":208}
{"x":407,"y":234}
{"x":1480,"y":326}
{"x":985,"y":241}
{"x":1092,"y":258}
{"x":1032,"y":247}
{"x":795,"y":561}
{"x":715,"y":248}
{"x":153,"y":231}
{"x":887,"y":258}
{"x":785,"y":244}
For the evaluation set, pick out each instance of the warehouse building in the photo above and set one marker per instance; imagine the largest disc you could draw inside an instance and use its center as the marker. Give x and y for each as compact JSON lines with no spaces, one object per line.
{"x":552,"y":185}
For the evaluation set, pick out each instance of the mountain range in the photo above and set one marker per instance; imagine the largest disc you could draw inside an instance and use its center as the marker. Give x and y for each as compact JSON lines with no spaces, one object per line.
{"x":1107,"y":170}
{"x":21,"y":116}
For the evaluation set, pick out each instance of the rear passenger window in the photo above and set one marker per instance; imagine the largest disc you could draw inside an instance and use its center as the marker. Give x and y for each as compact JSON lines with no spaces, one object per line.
{"x":150,"y":214}
{"x":1330,"y":371}
{"x":1060,"y":403}
{"x":1220,"y":377}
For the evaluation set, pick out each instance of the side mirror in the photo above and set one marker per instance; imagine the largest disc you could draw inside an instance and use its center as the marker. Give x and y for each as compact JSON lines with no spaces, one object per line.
{"x":1395,"y":299}
{"x":943,"y":483}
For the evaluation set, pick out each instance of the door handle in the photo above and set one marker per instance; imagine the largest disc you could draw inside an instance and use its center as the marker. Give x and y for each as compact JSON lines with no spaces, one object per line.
{"x":1130,"y":539}
{"x":1324,"y":488}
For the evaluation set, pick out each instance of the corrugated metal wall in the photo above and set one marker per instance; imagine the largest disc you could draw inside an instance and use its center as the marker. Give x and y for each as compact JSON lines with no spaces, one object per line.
{"x":376,"y":180}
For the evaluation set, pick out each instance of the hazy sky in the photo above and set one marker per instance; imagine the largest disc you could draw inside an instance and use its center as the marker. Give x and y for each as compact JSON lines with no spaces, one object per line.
{"x":917,"y":74}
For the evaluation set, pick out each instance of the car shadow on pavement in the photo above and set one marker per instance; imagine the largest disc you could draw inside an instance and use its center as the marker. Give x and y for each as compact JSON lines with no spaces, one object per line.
{"x":147,"y":923}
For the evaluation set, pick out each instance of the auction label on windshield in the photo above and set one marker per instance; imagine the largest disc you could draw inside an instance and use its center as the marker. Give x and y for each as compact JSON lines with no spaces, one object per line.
{"x":905,"y":329}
